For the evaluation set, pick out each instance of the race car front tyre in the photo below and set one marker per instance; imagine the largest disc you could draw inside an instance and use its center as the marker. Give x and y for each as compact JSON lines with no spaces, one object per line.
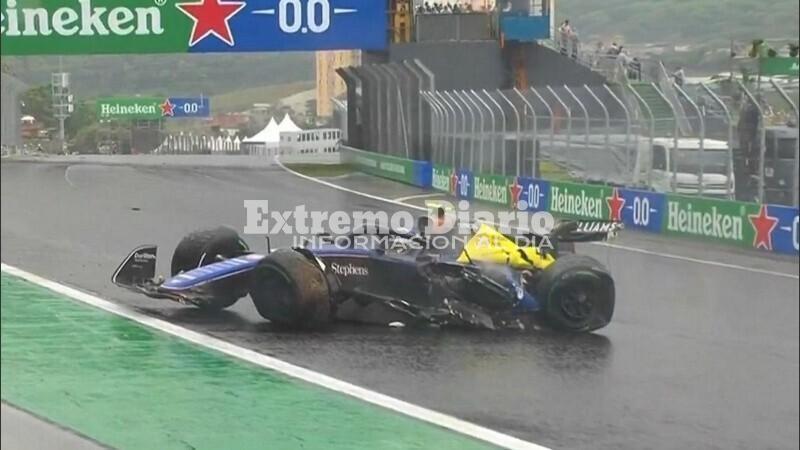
{"x":203,"y":247}
{"x":577,"y":294}
{"x":289,"y":290}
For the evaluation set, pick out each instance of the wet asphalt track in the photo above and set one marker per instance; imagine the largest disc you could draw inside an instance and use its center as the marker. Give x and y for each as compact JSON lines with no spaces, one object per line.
{"x":697,"y":356}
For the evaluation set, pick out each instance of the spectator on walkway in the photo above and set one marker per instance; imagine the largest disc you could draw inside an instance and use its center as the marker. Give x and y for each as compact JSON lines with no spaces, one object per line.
{"x":598,"y":50}
{"x":614,"y":49}
{"x":635,"y":69}
{"x":574,"y":43}
{"x":679,"y":76}
{"x":749,"y":121}
{"x":564,"y":37}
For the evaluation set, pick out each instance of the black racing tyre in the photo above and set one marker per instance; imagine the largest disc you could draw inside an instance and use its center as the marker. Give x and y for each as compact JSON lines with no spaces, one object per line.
{"x":289,"y":290}
{"x":577,"y":294}
{"x":201,"y":248}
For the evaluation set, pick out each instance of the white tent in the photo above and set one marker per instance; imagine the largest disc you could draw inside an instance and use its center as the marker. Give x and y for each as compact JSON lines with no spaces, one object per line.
{"x":270,"y":134}
{"x":287,"y":125}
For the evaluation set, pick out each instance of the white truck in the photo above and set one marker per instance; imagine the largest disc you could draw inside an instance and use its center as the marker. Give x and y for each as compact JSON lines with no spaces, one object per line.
{"x":665,"y":168}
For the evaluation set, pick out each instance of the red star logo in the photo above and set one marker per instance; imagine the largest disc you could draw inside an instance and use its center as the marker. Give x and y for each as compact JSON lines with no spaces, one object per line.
{"x":211,"y":17}
{"x":453,"y":183}
{"x":615,"y":204}
{"x":515,"y":190}
{"x":763,"y":225}
{"x":167,"y":109}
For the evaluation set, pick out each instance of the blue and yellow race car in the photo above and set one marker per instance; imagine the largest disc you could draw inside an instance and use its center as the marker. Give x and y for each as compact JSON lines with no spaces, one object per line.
{"x":397,"y":278}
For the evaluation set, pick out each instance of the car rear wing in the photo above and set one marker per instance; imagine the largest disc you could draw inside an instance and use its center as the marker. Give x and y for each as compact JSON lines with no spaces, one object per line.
{"x":586,"y":230}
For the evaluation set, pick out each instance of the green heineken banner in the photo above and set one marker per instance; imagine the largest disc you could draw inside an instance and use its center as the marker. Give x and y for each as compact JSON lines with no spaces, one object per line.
{"x":779,"y":66}
{"x":582,"y":201}
{"x":38,"y":27}
{"x":130,"y":108}
{"x":492,"y":188}
{"x":724,"y":221}
{"x":442,"y":179}
{"x":397,"y":169}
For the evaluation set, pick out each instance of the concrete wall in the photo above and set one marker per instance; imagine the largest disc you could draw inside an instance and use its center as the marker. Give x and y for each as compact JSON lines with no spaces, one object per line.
{"x":453,"y":27}
{"x":10,"y":111}
{"x":548,"y":67}
{"x":458,"y":65}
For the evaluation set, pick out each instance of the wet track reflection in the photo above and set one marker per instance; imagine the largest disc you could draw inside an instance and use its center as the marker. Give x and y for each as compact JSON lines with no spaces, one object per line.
{"x":695,"y":357}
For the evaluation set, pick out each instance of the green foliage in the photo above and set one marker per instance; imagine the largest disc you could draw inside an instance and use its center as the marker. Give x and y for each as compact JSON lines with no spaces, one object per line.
{"x":89,"y":138}
{"x":83,"y":116}
{"x":38,"y":102}
{"x":706,"y":22}
{"x":175,"y":75}
{"x":241,"y":99}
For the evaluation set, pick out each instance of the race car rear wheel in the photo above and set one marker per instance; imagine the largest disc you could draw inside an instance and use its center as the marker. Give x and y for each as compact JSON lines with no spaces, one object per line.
{"x":288,"y":290}
{"x":201,"y":248}
{"x":577,"y":293}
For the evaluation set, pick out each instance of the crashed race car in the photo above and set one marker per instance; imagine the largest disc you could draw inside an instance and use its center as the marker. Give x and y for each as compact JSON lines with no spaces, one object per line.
{"x":493,"y":282}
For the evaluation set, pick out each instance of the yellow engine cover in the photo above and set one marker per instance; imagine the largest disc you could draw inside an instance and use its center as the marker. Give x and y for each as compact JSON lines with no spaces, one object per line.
{"x":489,"y":245}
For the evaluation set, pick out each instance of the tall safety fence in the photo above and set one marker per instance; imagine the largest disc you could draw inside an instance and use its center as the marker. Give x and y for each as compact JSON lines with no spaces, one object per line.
{"x":651,"y":136}
{"x":695,"y":161}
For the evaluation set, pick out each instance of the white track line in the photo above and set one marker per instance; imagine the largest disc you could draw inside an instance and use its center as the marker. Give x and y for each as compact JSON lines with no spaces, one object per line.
{"x":603,"y":244}
{"x":342,"y":188}
{"x":699,"y":261}
{"x":268,"y":362}
{"x":418,"y":196}
{"x":66,"y":177}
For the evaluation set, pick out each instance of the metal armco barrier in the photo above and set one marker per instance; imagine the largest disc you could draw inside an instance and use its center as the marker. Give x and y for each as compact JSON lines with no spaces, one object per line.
{"x":746,"y":225}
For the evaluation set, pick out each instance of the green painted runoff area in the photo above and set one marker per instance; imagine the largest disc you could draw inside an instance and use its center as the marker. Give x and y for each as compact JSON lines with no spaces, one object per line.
{"x":131,"y":387}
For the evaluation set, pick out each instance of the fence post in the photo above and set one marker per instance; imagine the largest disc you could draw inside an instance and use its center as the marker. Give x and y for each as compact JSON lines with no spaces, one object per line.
{"x":587,"y":126}
{"x":440,"y":97}
{"x":550,"y":112}
{"x":535,"y":138}
{"x":463,"y":127}
{"x":686,"y":97}
{"x":795,"y":181}
{"x":728,"y":117}
{"x":519,"y":135}
{"x":675,"y":134}
{"x":435,"y":123}
{"x":607,"y":138}
{"x":401,"y":123}
{"x":763,"y":141}
{"x":444,"y":129}
{"x":568,"y":112}
{"x":390,"y":119}
{"x":494,"y":124}
{"x":652,"y":137}
{"x":473,"y":132}
{"x":502,"y":133}
{"x":627,"y":131}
